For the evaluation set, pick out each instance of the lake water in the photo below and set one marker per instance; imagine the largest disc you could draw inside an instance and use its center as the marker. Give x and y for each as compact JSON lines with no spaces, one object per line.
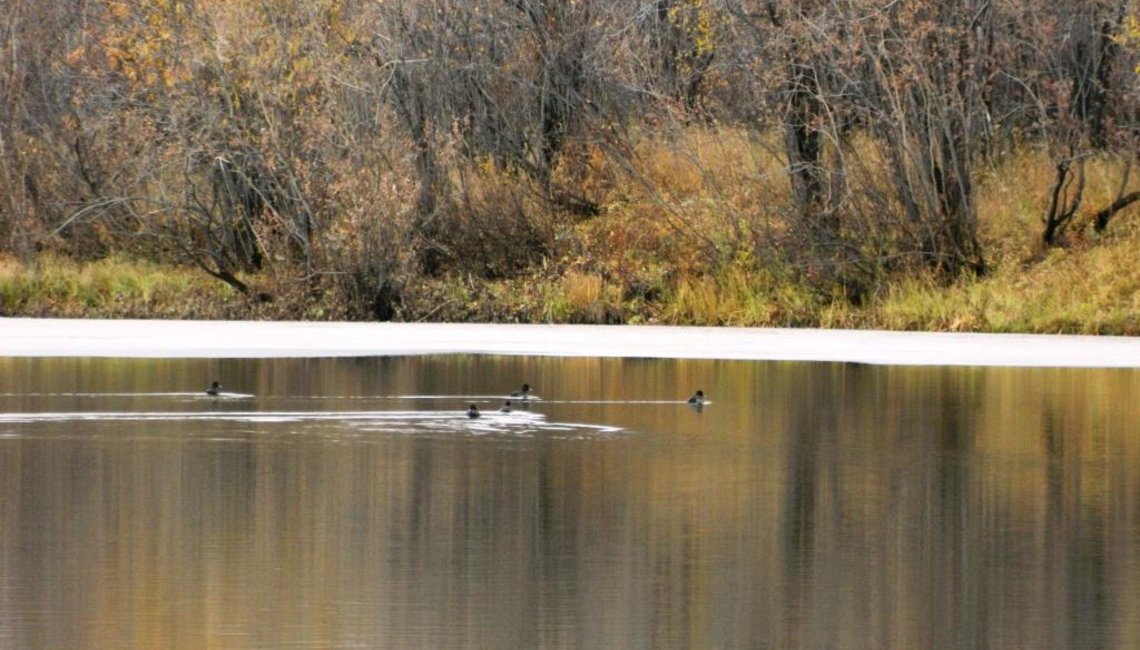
{"x":350,"y":503}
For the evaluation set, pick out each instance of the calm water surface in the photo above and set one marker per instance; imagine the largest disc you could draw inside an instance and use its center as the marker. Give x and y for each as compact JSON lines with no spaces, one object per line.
{"x":350,"y":504}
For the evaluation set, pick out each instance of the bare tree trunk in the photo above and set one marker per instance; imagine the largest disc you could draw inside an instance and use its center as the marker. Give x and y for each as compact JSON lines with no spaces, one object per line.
{"x":803,"y":142}
{"x":1064,"y":198}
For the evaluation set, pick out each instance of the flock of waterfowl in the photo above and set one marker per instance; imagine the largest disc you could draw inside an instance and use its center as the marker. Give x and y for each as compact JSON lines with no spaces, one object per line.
{"x":523,"y":393}
{"x":697,"y":400}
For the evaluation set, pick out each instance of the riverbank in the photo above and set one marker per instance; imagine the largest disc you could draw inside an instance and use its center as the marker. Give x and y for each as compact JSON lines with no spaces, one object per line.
{"x":27,"y":337}
{"x":1089,"y":288}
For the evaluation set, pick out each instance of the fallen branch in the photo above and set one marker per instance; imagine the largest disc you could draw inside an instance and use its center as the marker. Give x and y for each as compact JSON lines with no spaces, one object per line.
{"x":1100,"y":219}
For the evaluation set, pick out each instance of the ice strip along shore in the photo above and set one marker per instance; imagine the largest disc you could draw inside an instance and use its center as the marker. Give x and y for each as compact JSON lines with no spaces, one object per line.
{"x":25,"y":337}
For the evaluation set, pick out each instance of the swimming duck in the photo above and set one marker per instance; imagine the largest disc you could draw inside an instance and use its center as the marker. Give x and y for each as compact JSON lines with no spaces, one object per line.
{"x":506,"y":407}
{"x":214,"y":389}
{"x":698,"y":398}
{"x":472,"y":412}
{"x":523,"y":392}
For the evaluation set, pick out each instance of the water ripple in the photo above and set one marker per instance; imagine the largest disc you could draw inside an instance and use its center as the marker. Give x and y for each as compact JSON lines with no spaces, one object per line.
{"x":516,"y":423}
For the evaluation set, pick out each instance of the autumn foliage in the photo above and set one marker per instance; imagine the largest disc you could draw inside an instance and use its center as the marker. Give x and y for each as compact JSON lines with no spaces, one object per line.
{"x":348,"y":153}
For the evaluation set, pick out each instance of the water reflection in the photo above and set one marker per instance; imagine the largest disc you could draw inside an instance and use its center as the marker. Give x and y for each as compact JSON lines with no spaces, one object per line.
{"x":352,"y":503}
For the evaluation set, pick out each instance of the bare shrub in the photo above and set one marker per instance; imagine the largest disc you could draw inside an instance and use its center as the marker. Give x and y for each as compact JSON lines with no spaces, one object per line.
{"x":495,"y":228}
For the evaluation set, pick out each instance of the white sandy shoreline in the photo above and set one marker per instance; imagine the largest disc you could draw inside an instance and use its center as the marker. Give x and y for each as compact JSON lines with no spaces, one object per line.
{"x":26,"y":337}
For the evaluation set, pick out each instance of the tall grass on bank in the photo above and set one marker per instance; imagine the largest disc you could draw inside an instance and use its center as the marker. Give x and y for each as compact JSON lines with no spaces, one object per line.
{"x":1090,"y":291}
{"x":1095,"y":290}
{"x":108,"y":288}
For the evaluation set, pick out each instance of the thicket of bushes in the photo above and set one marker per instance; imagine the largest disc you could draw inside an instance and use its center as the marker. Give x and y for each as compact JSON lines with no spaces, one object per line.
{"x":586,"y":160}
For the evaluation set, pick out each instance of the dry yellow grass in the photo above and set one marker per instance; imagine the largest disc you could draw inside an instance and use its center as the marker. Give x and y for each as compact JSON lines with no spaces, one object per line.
{"x":678,"y":242}
{"x":113,"y":287}
{"x":581,"y":298}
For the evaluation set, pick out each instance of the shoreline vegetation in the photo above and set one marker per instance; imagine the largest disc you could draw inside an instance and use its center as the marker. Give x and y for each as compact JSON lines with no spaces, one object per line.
{"x":892,"y":166}
{"x":1091,"y":289}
